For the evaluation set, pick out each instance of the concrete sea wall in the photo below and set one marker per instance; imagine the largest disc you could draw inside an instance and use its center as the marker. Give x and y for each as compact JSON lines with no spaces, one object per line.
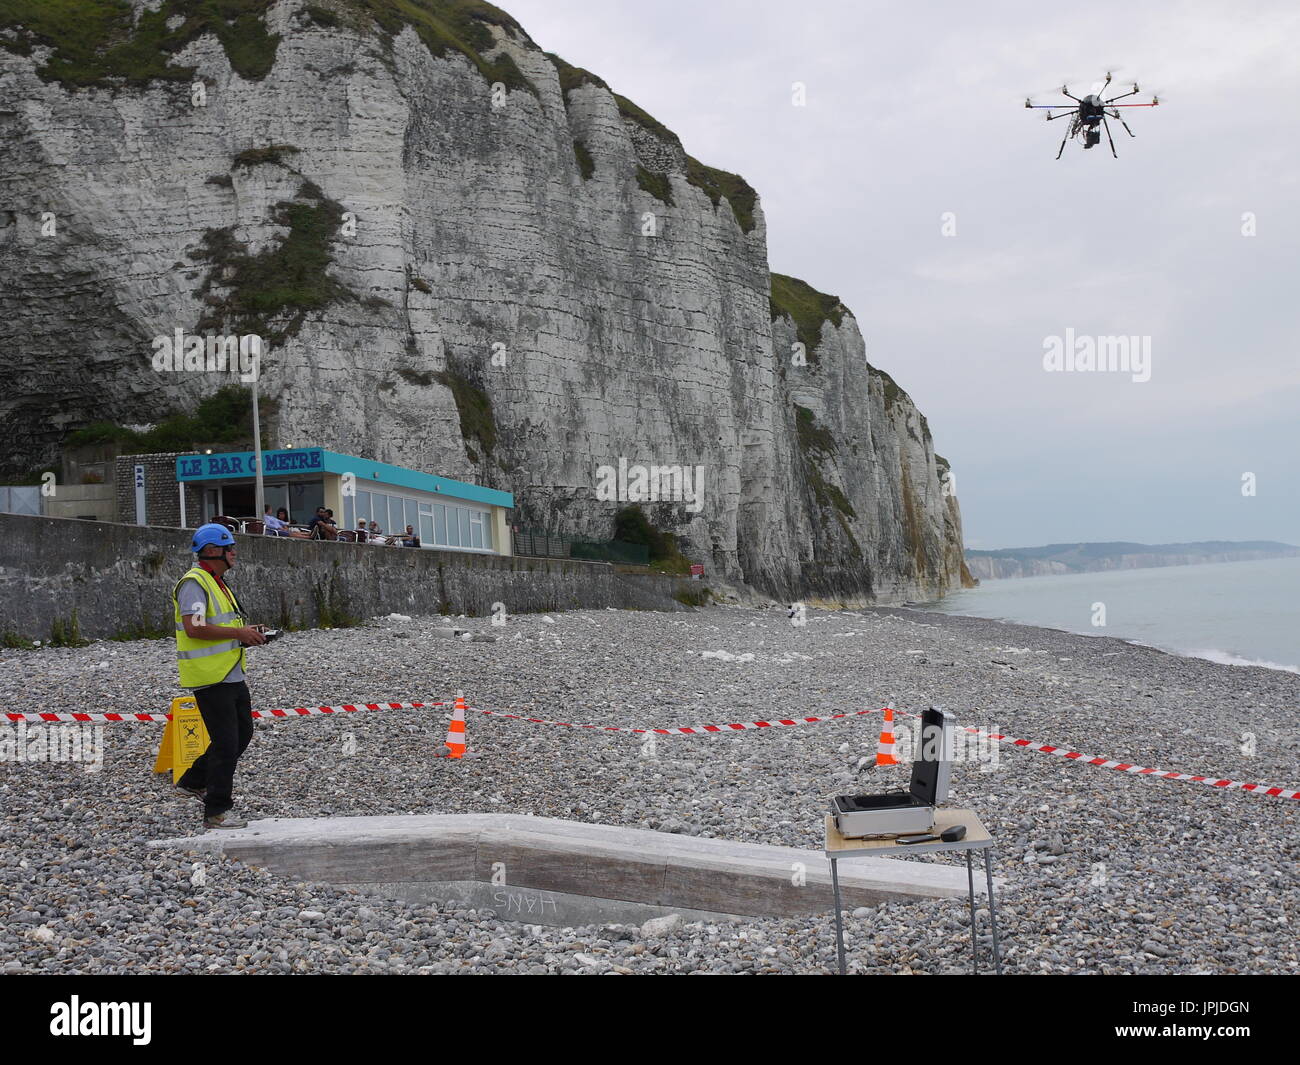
{"x":119,"y":579}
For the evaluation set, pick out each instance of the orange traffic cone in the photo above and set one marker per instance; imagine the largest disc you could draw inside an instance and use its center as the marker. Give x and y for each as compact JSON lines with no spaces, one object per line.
{"x":455,"y":745}
{"x":885,"y":749}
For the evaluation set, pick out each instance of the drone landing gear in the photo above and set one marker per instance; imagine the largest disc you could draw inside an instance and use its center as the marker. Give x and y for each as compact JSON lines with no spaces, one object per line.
{"x":1108,"y":137}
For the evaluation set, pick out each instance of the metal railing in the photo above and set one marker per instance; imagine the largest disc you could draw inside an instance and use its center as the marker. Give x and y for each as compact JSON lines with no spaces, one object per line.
{"x":537,"y":543}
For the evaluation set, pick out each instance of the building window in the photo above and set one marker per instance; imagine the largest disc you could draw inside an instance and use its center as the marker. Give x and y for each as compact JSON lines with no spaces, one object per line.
{"x":436,"y":524}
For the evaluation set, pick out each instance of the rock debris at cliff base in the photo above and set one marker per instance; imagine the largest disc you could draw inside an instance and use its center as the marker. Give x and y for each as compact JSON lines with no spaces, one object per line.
{"x":1194,"y":880}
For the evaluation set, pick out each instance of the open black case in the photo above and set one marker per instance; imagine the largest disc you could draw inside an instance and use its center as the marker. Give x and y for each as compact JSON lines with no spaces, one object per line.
{"x":897,"y":812}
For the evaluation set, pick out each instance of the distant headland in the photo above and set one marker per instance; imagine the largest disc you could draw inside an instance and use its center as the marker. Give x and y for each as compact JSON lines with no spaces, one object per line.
{"x":1092,"y":558}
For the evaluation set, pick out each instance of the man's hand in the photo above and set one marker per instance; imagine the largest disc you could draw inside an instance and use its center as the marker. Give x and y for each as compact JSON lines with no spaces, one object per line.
{"x":250,"y":635}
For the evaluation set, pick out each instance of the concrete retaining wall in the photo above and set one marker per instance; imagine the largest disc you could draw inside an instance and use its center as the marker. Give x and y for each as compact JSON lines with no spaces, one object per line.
{"x":119,"y":579}
{"x":568,"y":872}
{"x":96,"y":502}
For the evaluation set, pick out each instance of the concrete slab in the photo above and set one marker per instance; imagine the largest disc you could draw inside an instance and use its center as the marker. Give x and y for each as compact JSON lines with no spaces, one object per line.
{"x":568,"y":872}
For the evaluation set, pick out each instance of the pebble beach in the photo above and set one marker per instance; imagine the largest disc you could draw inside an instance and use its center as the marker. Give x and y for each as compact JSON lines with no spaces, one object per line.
{"x":1105,"y":872}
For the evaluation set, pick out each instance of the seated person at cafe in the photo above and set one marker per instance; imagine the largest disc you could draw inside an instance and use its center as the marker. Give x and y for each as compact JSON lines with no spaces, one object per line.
{"x":376,"y":534}
{"x":286,"y":523}
{"x":322,"y":525}
{"x":410,"y":539}
{"x":274,"y":526}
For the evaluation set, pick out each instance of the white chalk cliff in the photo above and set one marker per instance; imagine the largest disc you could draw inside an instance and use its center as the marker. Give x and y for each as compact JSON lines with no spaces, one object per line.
{"x":392,"y":199}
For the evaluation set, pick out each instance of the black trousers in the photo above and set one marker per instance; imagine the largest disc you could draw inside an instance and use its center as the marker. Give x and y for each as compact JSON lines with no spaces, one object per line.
{"x":227,"y":712}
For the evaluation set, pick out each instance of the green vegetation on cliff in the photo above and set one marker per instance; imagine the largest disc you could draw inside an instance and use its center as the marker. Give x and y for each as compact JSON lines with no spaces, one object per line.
{"x":225,"y":417}
{"x":586,"y":165}
{"x":272,"y":153}
{"x":807,"y":308}
{"x":716,"y":184}
{"x":813,"y":439}
{"x":290,"y":278}
{"x":815,"y":445}
{"x":719,"y":183}
{"x":645,"y":120}
{"x":571,"y":77}
{"x":96,"y":43}
{"x":447,"y":26}
{"x":477,"y":421}
{"x":631,"y":526}
{"x":656,"y":184}
{"x":891,"y":390}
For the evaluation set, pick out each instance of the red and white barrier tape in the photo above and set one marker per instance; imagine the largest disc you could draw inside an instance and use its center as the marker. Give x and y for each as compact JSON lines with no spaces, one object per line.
{"x":297,"y":711}
{"x":685,"y":730}
{"x":1124,"y":767}
{"x":1137,"y":770}
{"x":697,"y":730}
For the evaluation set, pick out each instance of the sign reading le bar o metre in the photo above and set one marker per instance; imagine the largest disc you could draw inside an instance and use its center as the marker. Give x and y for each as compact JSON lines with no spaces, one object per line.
{"x":234,"y":464}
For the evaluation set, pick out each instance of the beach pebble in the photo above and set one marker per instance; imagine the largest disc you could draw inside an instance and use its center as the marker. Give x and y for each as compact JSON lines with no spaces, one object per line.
{"x":658,"y":927}
{"x":1100,"y":867}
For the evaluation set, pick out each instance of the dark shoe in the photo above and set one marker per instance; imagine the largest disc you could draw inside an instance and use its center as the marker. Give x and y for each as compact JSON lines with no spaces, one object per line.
{"x":199,"y":793}
{"x":226,"y":820}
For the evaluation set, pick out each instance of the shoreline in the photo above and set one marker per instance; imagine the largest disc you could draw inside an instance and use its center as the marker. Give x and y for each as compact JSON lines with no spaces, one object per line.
{"x":1227,"y":657}
{"x":1233,"y":613}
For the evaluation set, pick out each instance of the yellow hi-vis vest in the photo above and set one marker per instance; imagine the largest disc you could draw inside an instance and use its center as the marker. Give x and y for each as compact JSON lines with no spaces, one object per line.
{"x":204,"y":662}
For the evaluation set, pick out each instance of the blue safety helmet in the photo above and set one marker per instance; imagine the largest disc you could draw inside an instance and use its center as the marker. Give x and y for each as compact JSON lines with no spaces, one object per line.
{"x":212,"y":533}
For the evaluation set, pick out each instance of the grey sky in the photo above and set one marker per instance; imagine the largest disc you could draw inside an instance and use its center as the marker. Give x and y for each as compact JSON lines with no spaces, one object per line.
{"x":914,"y":110}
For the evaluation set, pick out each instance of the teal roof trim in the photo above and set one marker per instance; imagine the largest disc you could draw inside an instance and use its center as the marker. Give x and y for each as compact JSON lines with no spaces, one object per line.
{"x":239,"y":465}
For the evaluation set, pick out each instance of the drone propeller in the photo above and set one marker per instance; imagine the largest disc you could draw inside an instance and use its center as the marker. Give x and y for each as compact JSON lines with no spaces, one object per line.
{"x":1031,"y":98}
{"x":1155,"y":101}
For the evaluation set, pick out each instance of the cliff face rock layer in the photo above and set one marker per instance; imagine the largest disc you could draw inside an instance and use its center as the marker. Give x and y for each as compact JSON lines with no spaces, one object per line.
{"x":464,"y":255}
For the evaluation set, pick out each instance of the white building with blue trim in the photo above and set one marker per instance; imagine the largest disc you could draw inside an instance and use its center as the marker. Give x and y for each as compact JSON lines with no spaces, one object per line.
{"x":446,"y":514}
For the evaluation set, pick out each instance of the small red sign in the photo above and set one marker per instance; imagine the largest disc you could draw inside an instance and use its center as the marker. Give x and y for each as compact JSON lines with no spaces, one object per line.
{"x":697,"y":571}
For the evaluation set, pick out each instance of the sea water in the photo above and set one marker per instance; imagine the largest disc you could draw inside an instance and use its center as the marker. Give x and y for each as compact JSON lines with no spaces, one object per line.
{"x":1238,"y":613}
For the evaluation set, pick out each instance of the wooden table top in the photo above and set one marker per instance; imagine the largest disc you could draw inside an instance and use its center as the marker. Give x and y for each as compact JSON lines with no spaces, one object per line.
{"x":977,"y":838}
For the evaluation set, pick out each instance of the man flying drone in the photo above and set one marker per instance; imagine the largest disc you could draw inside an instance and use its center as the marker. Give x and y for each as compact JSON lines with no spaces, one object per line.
{"x":1091,"y":112}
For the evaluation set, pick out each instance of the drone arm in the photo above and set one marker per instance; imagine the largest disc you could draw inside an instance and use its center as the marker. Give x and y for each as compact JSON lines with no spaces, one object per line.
{"x":1121,"y":96}
{"x":1063,"y":114}
{"x":1120,"y":119}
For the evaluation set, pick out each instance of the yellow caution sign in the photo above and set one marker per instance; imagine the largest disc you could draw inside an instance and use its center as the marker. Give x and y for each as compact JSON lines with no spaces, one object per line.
{"x":184,"y":738}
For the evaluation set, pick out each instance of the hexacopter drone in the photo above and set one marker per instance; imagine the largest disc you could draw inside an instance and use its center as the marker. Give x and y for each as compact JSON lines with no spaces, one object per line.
{"x":1090,"y":112}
